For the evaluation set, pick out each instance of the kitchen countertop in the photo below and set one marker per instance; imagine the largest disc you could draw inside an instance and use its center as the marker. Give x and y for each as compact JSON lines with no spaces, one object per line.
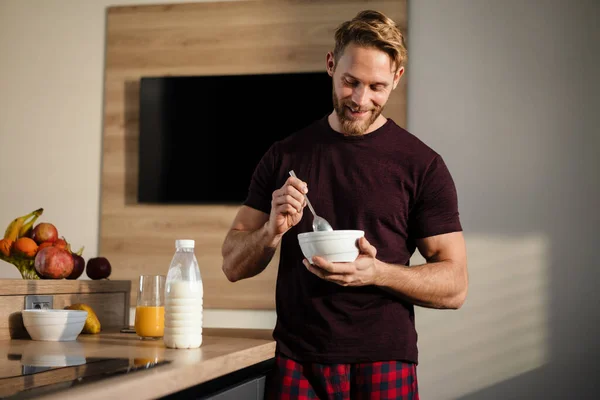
{"x":223,"y":351}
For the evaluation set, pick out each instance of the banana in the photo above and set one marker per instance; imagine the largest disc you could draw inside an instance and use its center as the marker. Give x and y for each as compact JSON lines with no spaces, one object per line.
{"x":14,"y":228}
{"x":28,"y":226}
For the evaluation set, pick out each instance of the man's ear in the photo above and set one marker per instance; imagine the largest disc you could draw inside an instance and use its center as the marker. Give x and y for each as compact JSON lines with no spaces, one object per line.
{"x":330,"y":63}
{"x":397,"y":76}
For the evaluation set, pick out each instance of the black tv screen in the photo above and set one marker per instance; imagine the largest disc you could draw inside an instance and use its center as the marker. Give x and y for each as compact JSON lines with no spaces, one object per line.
{"x":201,"y":137}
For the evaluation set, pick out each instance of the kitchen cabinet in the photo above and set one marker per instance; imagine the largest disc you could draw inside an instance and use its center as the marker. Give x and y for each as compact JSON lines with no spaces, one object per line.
{"x":245,"y":384}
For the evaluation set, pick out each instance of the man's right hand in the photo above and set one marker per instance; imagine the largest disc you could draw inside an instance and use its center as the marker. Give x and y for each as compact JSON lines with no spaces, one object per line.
{"x":287,"y":205}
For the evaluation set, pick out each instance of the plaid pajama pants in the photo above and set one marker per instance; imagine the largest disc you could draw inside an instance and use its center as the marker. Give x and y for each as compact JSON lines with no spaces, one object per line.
{"x":292,"y":380}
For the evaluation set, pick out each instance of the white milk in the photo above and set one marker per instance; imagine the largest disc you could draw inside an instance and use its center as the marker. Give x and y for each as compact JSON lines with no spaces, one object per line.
{"x":183,"y":314}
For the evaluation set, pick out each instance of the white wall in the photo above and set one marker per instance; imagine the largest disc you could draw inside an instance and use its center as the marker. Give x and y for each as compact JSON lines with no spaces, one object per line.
{"x":505,"y":91}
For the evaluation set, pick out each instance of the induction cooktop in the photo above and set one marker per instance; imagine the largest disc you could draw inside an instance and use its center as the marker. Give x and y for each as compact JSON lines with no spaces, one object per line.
{"x":26,"y":378}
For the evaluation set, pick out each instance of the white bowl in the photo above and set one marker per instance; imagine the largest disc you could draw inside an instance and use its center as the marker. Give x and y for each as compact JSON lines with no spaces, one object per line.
{"x":54,"y":325}
{"x":334,"y":246}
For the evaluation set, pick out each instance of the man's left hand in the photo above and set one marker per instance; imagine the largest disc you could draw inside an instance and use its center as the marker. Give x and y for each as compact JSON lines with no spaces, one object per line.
{"x":361,"y":272}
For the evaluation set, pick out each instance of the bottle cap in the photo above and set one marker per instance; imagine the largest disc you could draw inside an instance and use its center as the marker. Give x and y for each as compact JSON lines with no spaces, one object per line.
{"x":184,"y":243}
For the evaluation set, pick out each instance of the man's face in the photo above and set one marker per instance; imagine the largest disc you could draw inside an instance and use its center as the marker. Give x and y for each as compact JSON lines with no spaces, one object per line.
{"x":363,"y":80}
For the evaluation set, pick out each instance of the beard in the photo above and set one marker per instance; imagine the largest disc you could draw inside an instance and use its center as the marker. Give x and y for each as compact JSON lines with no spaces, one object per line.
{"x":353,"y":126}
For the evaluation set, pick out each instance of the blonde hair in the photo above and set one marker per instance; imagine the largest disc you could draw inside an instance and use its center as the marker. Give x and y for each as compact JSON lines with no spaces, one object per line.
{"x":372,"y":29}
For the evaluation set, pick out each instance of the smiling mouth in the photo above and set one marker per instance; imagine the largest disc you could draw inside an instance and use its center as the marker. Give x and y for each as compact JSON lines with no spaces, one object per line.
{"x":357,"y":113}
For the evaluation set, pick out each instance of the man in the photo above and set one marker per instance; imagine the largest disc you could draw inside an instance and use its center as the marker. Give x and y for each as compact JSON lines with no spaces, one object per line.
{"x":347,"y":330}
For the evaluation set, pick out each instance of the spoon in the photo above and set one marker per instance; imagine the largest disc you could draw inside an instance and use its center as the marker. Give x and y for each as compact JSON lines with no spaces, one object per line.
{"x":319,"y":223}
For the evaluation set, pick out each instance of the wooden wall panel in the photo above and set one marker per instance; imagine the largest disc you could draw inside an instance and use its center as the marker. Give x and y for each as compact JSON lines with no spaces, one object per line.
{"x":109,"y":308}
{"x":109,"y":299}
{"x":239,"y":37}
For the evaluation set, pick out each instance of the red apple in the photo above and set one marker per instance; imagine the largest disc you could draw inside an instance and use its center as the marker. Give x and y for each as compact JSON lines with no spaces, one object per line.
{"x":98,"y":268}
{"x":78,"y":266}
{"x":44,"y":232}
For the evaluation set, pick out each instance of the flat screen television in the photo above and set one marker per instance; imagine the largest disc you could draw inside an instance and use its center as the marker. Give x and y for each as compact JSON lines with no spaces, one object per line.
{"x":201,"y":137}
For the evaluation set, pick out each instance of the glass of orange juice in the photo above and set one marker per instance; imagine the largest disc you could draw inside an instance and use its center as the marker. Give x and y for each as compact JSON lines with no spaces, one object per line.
{"x":150,"y":309}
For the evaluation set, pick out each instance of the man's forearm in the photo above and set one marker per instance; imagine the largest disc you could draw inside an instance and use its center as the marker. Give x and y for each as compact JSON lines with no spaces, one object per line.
{"x":246,"y":254}
{"x":439,"y":284}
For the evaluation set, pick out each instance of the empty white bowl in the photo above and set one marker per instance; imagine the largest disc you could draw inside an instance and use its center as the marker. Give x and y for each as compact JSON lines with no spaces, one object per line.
{"x":334,"y":246}
{"x":54,"y":325}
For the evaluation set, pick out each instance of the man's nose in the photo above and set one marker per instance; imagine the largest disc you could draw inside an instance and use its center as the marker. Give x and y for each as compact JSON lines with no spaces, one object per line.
{"x":359,"y":96}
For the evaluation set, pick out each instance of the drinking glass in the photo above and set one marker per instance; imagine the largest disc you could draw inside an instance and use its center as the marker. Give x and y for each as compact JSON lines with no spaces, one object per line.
{"x":150,"y":308}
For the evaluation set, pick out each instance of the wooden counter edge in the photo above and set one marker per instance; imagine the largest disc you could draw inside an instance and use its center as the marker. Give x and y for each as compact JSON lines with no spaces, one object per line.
{"x":62,"y":286}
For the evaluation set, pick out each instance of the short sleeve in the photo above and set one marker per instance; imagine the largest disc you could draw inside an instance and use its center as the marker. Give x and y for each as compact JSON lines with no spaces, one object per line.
{"x":262,"y":183}
{"x":435,"y":211}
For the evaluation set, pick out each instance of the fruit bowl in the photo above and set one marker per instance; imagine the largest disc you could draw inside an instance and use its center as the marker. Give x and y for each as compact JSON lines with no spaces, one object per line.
{"x":37,"y":251}
{"x":54,"y":325}
{"x":26,"y":267}
{"x":334,"y":246}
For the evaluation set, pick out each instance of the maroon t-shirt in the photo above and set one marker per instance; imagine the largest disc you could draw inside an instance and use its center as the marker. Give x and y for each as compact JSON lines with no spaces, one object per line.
{"x":387,"y":183}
